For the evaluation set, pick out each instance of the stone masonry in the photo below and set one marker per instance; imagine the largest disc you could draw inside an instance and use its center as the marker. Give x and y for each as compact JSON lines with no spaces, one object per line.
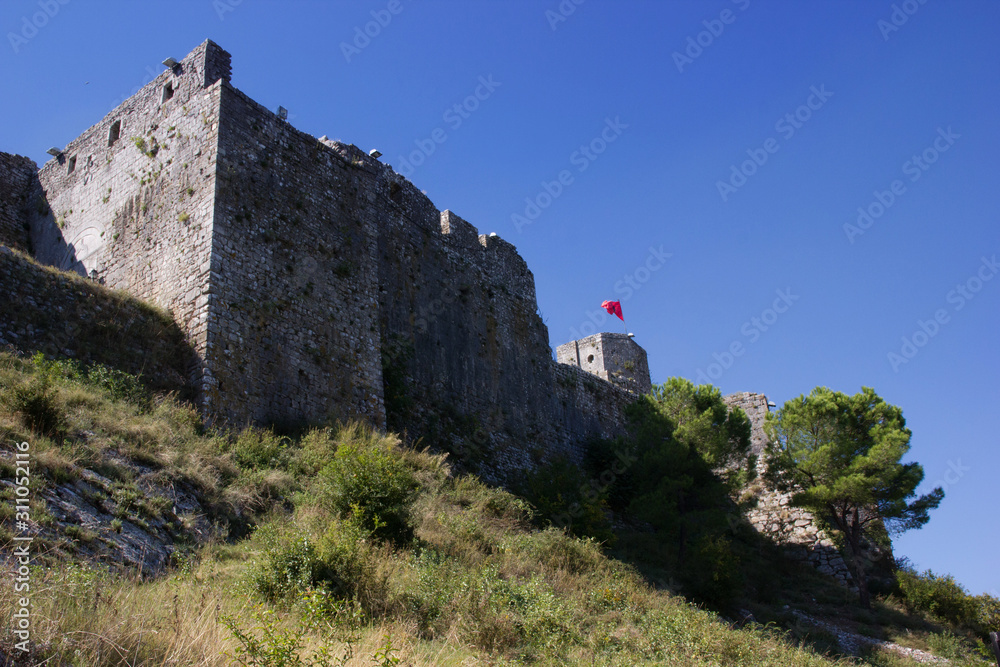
{"x":774,"y":514}
{"x":612,"y":356}
{"x":311,"y":281}
{"x":18,"y":193}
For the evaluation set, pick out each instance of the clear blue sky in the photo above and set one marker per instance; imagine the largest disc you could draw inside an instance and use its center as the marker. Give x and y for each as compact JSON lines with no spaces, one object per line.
{"x":881,"y":94}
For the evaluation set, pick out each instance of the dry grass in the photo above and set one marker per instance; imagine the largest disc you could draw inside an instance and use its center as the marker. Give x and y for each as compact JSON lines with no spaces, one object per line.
{"x":478,"y":584}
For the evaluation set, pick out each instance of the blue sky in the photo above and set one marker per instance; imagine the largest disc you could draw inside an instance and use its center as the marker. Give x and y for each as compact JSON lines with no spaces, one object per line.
{"x":739,"y":137}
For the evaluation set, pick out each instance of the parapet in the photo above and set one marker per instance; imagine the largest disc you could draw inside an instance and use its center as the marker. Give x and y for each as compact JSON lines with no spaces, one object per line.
{"x":614,"y":357}
{"x":458,"y":231}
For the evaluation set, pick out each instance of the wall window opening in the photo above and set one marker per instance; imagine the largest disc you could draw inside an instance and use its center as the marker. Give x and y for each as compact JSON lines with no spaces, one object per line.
{"x":115,"y":133}
{"x":71,"y":167}
{"x":168,"y":92}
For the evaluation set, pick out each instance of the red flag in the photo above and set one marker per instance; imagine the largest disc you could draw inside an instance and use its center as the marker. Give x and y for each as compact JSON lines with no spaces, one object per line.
{"x":613,"y":308}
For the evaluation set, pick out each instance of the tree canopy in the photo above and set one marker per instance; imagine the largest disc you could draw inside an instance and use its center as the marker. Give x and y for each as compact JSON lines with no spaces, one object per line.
{"x":841,"y":455}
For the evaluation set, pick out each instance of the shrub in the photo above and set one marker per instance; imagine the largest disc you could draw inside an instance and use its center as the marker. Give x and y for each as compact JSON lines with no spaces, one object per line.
{"x":256,"y":448}
{"x":290,"y":564}
{"x":712,"y":572}
{"x":368,"y":483}
{"x":938,"y":595}
{"x":565,"y":497}
{"x":35,"y":402}
{"x":120,"y":385}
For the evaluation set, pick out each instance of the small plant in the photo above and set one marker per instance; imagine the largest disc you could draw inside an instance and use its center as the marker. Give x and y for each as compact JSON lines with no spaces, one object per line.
{"x":385,"y":656}
{"x":82,"y":534}
{"x":268,"y":644}
{"x":35,"y":400}
{"x":116,"y":525}
{"x":183,"y":217}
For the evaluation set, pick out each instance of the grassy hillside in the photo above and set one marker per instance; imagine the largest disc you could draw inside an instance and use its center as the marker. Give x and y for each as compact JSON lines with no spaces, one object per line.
{"x":340,"y":546}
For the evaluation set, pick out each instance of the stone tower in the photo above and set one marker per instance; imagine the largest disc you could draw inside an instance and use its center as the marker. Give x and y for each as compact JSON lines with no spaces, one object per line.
{"x":612,"y":356}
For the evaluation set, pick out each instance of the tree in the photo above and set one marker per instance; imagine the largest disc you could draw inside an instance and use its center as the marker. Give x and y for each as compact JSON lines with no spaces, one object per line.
{"x":689,"y":452}
{"x":841,"y":456}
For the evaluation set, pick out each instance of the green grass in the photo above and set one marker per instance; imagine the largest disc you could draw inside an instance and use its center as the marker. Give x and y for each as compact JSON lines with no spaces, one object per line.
{"x":343,"y":540}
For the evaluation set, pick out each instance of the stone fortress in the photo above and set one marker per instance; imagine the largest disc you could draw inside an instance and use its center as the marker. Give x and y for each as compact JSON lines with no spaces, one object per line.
{"x":311,"y":282}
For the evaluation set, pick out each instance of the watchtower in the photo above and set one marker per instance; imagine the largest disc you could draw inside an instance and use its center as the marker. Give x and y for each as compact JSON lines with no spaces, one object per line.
{"x":612,"y":356}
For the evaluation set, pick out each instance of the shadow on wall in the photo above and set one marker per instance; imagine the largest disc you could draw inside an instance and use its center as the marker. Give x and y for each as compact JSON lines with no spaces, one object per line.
{"x":47,"y":233}
{"x":61,"y":315}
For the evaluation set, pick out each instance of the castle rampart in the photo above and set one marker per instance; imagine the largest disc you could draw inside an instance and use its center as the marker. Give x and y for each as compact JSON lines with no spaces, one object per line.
{"x":311,"y":280}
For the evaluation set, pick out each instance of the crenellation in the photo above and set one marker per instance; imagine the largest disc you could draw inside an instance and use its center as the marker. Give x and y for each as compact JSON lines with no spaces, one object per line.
{"x":459,"y":232}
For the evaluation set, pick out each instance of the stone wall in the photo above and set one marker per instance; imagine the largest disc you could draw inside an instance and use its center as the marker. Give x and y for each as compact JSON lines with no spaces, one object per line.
{"x":62,"y":315}
{"x":18,"y":194}
{"x":131,"y":199}
{"x":774,"y":514}
{"x":293,"y":328}
{"x":311,"y":280}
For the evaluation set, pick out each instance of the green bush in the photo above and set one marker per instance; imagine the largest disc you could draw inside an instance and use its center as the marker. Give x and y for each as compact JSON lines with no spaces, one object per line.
{"x":567,"y":498}
{"x":369,"y":484}
{"x":256,"y":448}
{"x":35,"y":403}
{"x":120,"y":385}
{"x":938,"y":595}
{"x":712,"y":572}
{"x":289,"y":565}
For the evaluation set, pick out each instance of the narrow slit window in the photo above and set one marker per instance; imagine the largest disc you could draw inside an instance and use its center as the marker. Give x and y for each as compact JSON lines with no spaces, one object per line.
{"x":71,"y":167}
{"x":115,"y":133}
{"x":168,"y":92}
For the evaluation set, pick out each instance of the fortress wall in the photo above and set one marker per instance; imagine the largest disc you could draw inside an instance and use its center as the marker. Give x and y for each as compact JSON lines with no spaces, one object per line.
{"x":586,"y":407}
{"x":18,"y":185}
{"x":465,"y":349}
{"x":293,"y":331}
{"x":136,"y":210}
